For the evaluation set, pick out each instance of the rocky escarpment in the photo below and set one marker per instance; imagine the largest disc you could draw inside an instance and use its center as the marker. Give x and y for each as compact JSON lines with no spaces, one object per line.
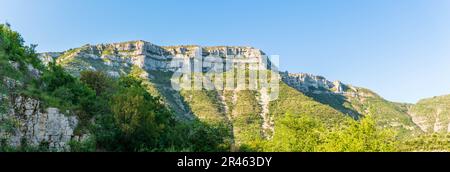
{"x":311,"y":83}
{"x":118,"y":58}
{"x":48,"y":57}
{"x":37,"y":127}
{"x":25,"y":122}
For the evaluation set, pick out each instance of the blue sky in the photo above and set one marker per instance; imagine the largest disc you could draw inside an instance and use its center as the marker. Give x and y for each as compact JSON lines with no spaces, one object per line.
{"x":398,"y":48}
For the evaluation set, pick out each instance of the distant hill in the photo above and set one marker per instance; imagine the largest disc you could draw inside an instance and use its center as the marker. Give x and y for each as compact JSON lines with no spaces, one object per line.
{"x":432,"y":114}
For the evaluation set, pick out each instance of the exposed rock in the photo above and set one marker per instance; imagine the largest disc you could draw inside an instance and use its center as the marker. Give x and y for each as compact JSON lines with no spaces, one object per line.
{"x":232,"y":51}
{"x":29,"y":124}
{"x":49,"y":57}
{"x":189,"y":51}
{"x":268,"y":122}
{"x":37,"y":127}
{"x":33,"y":71}
{"x":118,"y":56}
{"x":310,"y":83}
{"x":11,"y":84}
{"x":420,"y":121}
{"x":338,"y":87}
{"x":14,"y":64}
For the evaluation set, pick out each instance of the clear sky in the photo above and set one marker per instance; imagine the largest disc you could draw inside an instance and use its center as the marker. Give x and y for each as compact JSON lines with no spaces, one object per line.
{"x":398,"y":48}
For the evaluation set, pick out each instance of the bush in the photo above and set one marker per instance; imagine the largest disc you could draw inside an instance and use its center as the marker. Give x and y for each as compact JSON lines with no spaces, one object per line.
{"x":88,"y":145}
{"x":137,"y":119}
{"x":12,"y":44}
{"x":97,"y":81}
{"x":200,"y":137}
{"x":66,"y":92}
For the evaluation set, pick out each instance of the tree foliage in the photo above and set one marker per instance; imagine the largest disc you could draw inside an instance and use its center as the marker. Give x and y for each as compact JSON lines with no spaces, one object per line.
{"x":138,"y":121}
{"x":98,"y":81}
{"x":301,"y":133}
{"x":12,"y":44}
{"x":139,"y":116}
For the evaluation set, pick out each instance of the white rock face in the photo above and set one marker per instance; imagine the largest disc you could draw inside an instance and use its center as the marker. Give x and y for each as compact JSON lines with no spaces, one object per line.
{"x":311,"y":83}
{"x":338,"y":86}
{"x":439,"y":123}
{"x":268,"y":123}
{"x":152,"y":57}
{"x":420,"y":121}
{"x":32,"y":125}
{"x":48,"y":57}
{"x":33,"y":71}
{"x":37,"y":127}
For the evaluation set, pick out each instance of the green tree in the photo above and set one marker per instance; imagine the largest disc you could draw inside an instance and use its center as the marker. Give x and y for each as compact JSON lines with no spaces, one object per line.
{"x":360,"y":136}
{"x":140,"y":117}
{"x":98,"y":81}
{"x":296,"y":133}
{"x":302,"y":133}
{"x":68,"y":92}
{"x":12,"y":44}
{"x":56,"y":77}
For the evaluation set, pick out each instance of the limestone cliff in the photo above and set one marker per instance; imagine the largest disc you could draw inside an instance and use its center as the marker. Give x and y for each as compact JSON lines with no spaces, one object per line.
{"x":118,"y":58}
{"x":312,"y":83}
{"x":25,"y":122}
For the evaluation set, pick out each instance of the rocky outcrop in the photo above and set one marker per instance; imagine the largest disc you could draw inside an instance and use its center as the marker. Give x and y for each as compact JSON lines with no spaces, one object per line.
{"x":39,"y":127}
{"x":338,"y":87}
{"x":268,"y":124}
{"x":232,"y":52}
{"x":24,"y":121}
{"x":49,"y":57}
{"x":311,"y":83}
{"x":188,"y":51}
{"x":36,"y":127}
